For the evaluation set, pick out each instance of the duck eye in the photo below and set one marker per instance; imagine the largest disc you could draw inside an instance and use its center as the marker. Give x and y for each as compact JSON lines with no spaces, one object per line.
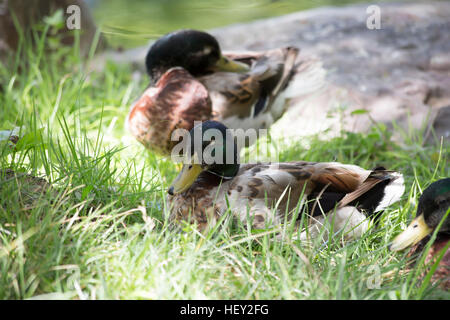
{"x":207,"y":50}
{"x":190,"y":167}
{"x":415,"y":226}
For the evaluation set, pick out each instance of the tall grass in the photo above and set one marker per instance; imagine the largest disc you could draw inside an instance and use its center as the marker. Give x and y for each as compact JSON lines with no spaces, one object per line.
{"x":100,"y":231}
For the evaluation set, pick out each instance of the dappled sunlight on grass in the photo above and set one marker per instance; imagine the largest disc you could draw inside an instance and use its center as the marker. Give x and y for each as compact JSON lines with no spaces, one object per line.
{"x":100,"y":231}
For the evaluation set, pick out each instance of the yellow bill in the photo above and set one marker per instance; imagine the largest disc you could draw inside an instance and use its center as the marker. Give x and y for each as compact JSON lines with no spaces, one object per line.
{"x":225,"y":64}
{"x":415,"y":232}
{"x":185,"y":178}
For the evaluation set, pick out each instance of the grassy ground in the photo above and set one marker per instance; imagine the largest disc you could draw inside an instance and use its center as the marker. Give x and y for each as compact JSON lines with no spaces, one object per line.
{"x":100,"y":230}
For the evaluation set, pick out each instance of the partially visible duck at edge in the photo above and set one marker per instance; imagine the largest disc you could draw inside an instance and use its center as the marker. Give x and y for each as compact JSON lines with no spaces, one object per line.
{"x":432,"y":208}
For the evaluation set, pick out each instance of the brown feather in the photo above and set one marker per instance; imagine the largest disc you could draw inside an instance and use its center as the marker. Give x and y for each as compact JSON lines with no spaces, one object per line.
{"x":235,"y":94}
{"x":176,"y":101}
{"x":341,"y":178}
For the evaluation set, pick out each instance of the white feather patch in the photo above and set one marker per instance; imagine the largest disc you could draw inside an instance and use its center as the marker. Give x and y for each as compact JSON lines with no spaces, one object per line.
{"x":348,"y":220}
{"x":392,"y":192}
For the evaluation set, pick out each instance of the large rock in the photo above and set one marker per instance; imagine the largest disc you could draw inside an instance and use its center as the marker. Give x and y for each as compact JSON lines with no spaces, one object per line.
{"x":399,"y":73}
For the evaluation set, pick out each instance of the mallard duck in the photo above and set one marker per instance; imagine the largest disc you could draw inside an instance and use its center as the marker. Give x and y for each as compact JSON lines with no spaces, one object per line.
{"x":433,"y":206}
{"x":266,"y":192}
{"x":192,"y":80}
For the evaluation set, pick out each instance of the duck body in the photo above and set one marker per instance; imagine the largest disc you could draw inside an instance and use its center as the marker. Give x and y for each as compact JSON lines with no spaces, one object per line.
{"x":257,"y":188}
{"x":268,"y":193}
{"x":243,"y":90}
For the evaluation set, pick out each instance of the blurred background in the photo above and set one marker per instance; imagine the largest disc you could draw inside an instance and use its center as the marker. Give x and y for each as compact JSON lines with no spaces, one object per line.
{"x":130,"y":23}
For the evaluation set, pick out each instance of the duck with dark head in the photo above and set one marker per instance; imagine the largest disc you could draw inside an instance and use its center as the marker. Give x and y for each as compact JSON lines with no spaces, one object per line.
{"x":222,"y":161}
{"x":193,"y":80}
{"x":267,"y":192}
{"x":432,"y":212}
{"x":195,"y":51}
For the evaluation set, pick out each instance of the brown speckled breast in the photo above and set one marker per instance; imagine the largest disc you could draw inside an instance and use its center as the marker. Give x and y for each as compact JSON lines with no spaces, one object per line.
{"x":197,"y":203}
{"x":176,"y":101}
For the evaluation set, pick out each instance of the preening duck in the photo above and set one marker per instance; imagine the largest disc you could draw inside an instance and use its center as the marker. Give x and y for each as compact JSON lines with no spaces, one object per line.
{"x":192,"y":80}
{"x":267,"y":192}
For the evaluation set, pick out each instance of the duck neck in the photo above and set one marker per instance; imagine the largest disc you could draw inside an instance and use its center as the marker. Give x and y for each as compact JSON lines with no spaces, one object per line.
{"x":226,"y":171}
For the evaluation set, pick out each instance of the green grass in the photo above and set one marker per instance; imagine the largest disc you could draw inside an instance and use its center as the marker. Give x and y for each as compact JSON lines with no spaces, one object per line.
{"x":101,"y":232}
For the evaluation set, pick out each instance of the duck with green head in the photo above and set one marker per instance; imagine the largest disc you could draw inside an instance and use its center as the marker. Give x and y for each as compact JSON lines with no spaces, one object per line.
{"x":193,"y":80}
{"x":434,"y":204}
{"x":267,"y":192}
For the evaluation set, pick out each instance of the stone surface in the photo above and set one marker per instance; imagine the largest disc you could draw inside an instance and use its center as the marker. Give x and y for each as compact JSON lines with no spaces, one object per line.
{"x":400,"y":72}
{"x":441,"y":127}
